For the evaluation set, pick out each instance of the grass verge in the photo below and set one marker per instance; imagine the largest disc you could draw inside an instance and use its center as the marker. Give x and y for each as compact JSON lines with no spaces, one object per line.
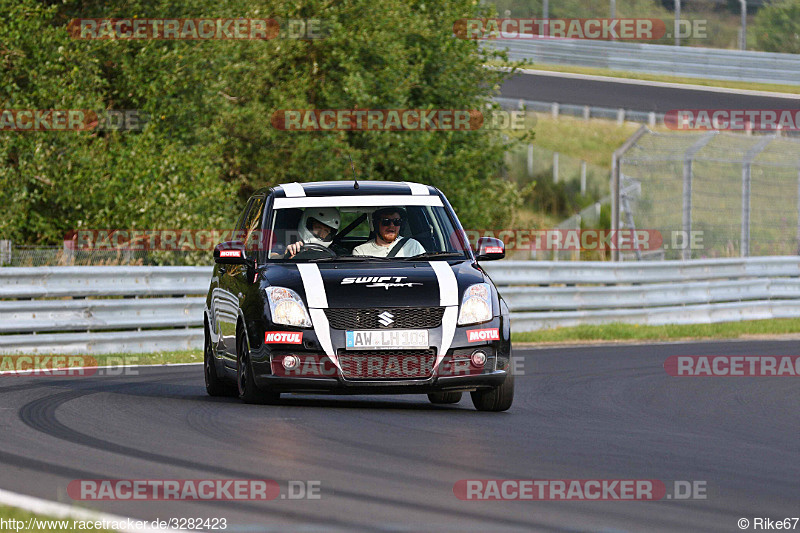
{"x":36,"y":522}
{"x":592,"y":71}
{"x":624,"y":332}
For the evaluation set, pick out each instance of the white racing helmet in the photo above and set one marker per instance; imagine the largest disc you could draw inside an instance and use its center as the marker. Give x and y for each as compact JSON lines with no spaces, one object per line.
{"x":326,"y":215}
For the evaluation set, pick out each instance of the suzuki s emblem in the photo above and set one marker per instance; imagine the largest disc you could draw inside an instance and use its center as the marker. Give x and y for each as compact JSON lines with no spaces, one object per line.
{"x":386,"y":318}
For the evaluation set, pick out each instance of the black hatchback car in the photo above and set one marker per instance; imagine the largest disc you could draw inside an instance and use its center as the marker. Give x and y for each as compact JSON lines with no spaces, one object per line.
{"x":356,"y":288}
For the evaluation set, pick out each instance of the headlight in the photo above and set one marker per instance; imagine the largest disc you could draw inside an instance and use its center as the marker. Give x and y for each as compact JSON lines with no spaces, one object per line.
{"x":475,"y":305}
{"x":287,"y":307}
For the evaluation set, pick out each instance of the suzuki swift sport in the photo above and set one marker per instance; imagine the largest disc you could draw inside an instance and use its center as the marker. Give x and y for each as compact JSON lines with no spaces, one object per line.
{"x":356,"y":288}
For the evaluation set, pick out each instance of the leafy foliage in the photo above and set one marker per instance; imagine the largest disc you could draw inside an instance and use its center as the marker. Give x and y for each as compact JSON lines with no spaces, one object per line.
{"x":210,"y":142}
{"x":777,"y":27}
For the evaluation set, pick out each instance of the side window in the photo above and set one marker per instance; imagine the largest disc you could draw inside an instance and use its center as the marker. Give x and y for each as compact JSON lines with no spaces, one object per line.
{"x":252,"y":223}
{"x":241,"y":219}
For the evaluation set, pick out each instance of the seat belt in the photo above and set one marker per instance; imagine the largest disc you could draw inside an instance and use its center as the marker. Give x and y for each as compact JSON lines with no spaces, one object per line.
{"x":396,"y":248}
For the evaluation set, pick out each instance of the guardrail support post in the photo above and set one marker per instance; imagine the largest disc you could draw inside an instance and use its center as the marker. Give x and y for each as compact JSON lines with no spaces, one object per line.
{"x":554,"y":109}
{"x":555,"y":167}
{"x":530,"y":160}
{"x":620,"y":116}
{"x":583,"y":178}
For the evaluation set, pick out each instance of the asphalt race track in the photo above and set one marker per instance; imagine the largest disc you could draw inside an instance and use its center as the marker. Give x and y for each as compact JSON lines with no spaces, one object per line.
{"x":390,"y":463}
{"x":638,"y":97}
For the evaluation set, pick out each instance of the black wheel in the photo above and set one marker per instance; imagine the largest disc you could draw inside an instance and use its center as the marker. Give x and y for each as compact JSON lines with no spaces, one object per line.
{"x":248,"y":390}
{"x":444,"y":397}
{"x":495,"y":399}
{"x":214,"y":385}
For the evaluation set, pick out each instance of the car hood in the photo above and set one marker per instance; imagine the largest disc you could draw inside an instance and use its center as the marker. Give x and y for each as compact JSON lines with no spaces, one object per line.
{"x":360,"y":285}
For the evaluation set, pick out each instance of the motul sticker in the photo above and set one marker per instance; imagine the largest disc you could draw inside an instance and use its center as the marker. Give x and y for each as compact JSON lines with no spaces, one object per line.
{"x":230,"y":253}
{"x":283,"y":337}
{"x":477,"y":335}
{"x":493,"y":250}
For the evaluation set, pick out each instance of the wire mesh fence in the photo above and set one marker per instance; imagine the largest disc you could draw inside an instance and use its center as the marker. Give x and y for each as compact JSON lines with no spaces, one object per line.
{"x":33,"y":256}
{"x":715,"y":194}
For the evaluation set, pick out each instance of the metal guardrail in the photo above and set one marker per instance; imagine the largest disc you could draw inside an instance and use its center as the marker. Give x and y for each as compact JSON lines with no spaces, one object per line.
{"x":145,"y":309}
{"x":113,"y":309}
{"x":684,"y":61}
{"x":547,"y":294}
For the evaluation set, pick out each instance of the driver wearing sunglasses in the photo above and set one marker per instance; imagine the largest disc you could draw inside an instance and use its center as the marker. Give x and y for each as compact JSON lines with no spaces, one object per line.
{"x":387,"y":222}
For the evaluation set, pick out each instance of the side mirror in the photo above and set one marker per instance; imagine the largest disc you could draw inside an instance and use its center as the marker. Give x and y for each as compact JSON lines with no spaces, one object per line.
{"x":490,"y":249}
{"x":230,"y":253}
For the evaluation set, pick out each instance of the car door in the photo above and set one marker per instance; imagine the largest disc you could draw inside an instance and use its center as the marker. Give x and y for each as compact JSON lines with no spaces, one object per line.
{"x":226,"y":302}
{"x":235,"y":287}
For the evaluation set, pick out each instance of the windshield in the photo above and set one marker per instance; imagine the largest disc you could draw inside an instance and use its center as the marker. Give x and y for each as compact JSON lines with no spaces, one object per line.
{"x":363,"y":233}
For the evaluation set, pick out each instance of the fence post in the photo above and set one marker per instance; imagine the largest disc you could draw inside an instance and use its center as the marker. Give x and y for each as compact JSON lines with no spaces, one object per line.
{"x":530,"y":160}
{"x":651,"y":119}
{"x":620,"y":116}
{"x":68,"y":253}
{"x":745,"y":237}
{"x":615,"y":175}
{"x":555,"y":167}
{"x":583,"y":177}
{"x":554,"y":109}
{"x":688,"y":159}
{"x":746,"y":175}
{"x":586,"y":112}
{"x":5,"y":252}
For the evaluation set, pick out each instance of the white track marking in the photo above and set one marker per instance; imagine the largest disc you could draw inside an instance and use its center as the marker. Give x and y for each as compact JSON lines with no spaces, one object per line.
{"x":63,"y":511}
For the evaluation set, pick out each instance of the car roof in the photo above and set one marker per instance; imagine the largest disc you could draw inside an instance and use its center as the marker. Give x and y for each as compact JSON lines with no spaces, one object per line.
{"x":346,"y":188}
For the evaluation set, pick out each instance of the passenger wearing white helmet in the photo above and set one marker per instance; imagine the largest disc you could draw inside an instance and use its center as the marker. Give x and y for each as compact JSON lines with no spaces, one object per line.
{"x":318,"y":225}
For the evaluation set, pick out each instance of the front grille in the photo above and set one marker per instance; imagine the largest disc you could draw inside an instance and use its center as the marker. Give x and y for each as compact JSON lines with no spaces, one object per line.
{"x":403,"y":318}
{"x":389,"y":364}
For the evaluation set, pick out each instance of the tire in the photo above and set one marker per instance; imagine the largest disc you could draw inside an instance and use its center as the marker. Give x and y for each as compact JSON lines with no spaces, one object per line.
{"x":444,"y":397}
{"x":495,"y":399}
{"x":248,"y":390}
{"x":214,"y":385}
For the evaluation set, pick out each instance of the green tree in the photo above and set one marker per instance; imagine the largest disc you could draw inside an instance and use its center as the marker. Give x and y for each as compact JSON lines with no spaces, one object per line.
{"x":777,"y":27}
{"x":210,"y":141}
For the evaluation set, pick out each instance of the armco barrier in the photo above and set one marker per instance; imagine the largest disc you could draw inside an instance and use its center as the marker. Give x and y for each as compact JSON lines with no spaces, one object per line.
{"x":144,"y":309}
{"x":683,"y":61}
{"x":94,"y":310}
{"x":547,"y":294}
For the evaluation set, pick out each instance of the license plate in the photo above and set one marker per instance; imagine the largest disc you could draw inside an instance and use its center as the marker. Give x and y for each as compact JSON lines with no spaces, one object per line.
{"x":377,"y":339}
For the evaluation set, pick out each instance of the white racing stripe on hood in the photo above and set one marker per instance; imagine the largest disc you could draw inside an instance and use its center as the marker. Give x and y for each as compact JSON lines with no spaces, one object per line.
{"x":317,"y":303}
{"x":448,"y":298}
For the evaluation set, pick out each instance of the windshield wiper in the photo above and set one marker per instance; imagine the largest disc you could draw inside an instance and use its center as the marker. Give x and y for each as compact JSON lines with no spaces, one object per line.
{"x":427,"y":255}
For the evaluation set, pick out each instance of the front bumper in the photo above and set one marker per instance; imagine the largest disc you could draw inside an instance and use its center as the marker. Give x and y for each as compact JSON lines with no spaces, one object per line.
{"x":316,"y":372}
